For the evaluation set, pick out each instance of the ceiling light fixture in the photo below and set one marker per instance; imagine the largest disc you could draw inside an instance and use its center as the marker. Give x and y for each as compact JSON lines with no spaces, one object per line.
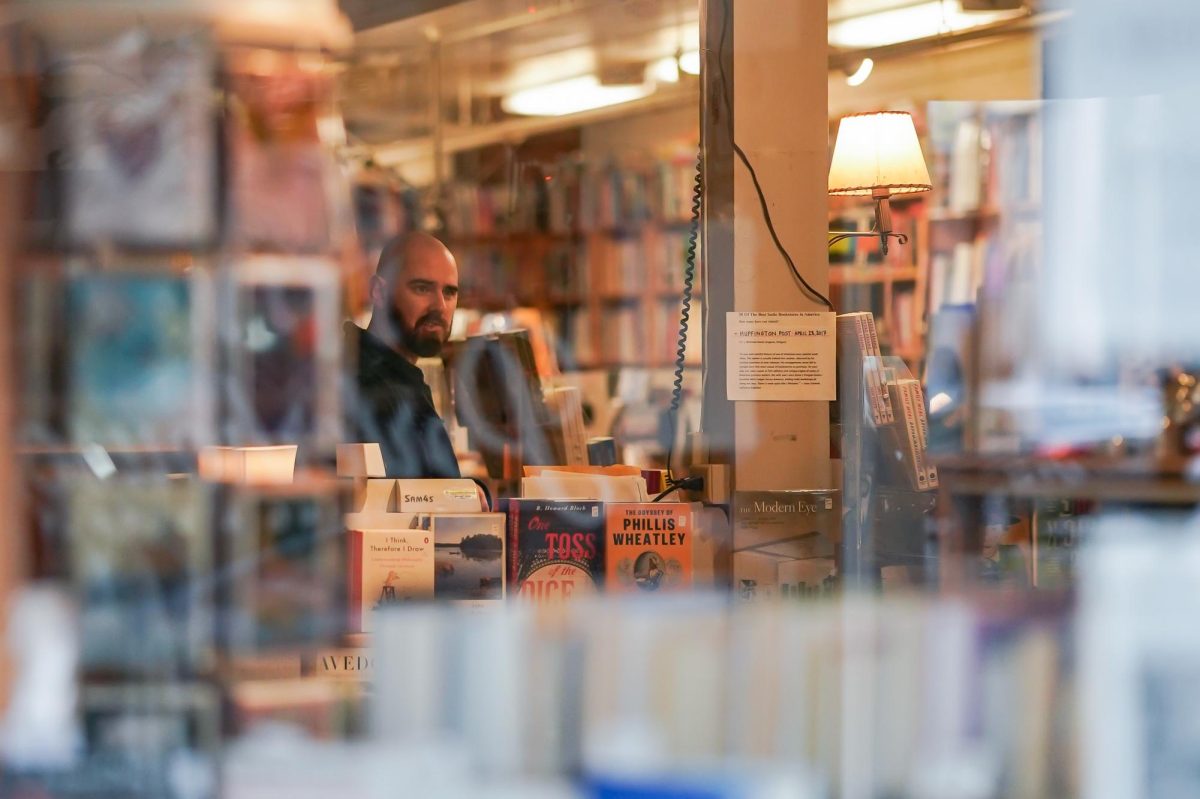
{"x":917,"y":21}
{"x":862,"y":73}
{"x":572,"y":96}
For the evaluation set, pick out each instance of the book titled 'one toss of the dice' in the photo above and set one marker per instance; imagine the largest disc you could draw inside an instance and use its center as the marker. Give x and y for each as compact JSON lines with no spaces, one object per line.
{"x":556,"y":548}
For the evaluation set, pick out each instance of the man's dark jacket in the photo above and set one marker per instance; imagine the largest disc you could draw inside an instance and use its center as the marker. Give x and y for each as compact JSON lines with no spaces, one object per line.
{"x":391,"y":404}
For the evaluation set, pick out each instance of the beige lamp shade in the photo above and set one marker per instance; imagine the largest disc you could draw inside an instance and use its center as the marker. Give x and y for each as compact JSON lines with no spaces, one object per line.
{"x":878,"y":154}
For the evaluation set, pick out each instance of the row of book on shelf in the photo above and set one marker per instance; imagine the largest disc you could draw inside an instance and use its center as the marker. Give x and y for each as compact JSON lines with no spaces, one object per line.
{"x":558,"y":270}
{"x":629,"y":334}
{"x":986,"y":155}
{"x":573,"y":196}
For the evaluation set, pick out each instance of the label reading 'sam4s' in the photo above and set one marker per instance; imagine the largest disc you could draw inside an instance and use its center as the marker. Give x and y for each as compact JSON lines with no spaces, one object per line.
{"x":649,"y":547}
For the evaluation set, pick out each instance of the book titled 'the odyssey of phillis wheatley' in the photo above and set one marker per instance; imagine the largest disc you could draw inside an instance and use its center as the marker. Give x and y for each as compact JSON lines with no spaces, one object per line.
{"x":556,"y":548}
{"x":649,"y":546}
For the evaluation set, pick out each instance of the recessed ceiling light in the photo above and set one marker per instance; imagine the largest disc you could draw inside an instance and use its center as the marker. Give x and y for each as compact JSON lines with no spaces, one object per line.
{"x":572,"y":96}
{"x":919,"y":21}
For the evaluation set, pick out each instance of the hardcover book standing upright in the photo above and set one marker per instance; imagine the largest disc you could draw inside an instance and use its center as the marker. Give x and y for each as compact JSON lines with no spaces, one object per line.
{"x":556,"y":548}
{"x":388,"y":567}
{"x":649,"y":547}
{"x":469,"y":557}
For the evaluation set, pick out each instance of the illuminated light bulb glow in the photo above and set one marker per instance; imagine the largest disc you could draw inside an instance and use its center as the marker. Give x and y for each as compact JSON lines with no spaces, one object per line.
{"x":862,"y":73}
{"x":912,"y":22}
{"x":689,"y":62}
{"x":571,"y":96}
{"x":664,"y":70}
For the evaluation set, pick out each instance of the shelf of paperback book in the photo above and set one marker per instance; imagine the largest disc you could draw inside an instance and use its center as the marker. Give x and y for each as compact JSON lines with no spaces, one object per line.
{"x":847,"y":275}
{"x":1104,"y":479}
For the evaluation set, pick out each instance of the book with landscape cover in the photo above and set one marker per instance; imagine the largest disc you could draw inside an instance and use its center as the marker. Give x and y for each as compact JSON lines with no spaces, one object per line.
{"x":649,"y":547}
{"x":469,"y":561}
{"x":556,"y":548}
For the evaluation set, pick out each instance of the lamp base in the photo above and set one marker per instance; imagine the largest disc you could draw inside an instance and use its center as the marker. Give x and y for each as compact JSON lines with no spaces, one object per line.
{"x":836,"y":236}
{"x":883,"y":225}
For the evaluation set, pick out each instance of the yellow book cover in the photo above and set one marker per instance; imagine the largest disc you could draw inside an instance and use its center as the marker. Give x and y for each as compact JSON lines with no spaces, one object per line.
{"x":388,"y":567}
{"x":649,"y":547}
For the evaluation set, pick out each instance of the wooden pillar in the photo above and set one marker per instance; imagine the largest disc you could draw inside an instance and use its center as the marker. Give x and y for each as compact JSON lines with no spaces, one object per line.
{"x":772,"y":56}
{"x":12,"y":537}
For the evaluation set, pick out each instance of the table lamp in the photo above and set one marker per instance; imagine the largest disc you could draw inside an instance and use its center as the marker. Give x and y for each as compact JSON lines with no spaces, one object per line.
{"x":877,"y":154}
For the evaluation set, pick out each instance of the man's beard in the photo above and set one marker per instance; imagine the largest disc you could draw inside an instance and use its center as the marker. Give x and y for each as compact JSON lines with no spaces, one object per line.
{"x":423,"y":345}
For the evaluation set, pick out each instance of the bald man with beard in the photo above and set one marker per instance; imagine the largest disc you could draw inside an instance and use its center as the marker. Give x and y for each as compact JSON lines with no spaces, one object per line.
{"x":413,"y":296}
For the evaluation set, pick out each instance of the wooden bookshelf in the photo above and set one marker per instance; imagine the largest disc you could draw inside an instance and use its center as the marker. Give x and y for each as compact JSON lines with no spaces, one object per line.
{"x":599,"y":248}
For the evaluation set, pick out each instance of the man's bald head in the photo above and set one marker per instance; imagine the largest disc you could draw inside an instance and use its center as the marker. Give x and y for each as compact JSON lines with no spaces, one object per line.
{"x":414,"y":293}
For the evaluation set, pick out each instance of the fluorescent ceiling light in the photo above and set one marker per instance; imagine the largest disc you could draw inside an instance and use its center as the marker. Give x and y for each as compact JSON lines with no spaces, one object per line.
{"x":919,"y":21}
{"x":571,"y":97}
{"x":862,"y":73}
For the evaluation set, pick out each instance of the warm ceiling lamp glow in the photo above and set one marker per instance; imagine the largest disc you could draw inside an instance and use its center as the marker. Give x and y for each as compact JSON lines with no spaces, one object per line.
{"x":689,"y":62}
{"x":918,"y":21}
{"x":666,"y":70}
{"x":862,"y":73}
{"x":572,"y":96}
